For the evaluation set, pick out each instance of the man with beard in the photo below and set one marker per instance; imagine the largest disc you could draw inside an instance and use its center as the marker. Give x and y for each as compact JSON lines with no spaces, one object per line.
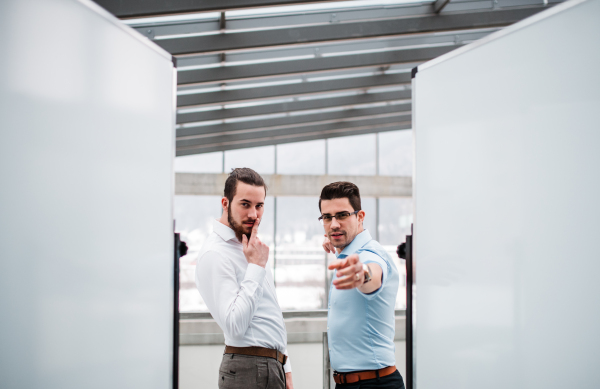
{"x":360,"y":319}
{"x":238,"y":289}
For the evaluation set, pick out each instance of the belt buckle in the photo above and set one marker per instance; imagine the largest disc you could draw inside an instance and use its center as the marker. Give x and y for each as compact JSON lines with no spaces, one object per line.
{"x":341,"y":376}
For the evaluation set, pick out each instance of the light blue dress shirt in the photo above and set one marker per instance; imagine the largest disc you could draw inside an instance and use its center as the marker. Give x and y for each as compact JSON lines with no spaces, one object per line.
{"x":360,"y":327}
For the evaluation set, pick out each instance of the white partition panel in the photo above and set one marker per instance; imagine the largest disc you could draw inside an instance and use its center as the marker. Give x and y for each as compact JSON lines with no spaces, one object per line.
{"x":507,"y":207}
{"x":86,"y":230}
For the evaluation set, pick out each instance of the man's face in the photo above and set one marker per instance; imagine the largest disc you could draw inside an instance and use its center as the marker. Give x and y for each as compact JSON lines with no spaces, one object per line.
{"x":246,"y":206}
{"x":341,"y":233}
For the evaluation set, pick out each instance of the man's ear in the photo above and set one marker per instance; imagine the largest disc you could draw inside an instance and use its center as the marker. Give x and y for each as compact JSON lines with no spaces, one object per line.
{"x":361,"y":216}
{"x":224,"y":203}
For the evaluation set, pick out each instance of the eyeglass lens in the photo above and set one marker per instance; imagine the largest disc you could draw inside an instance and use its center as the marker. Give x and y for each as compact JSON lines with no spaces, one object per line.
{"x":338,"y":216}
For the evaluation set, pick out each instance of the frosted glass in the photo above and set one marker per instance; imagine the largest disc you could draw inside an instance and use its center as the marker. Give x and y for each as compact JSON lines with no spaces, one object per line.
{"x":261,"y":159}
{"x":396,"y":153}
{"x":300,"y":270}
{"x":200,"y":163}
{"x":352,"y":155}
{"x":301,"y":158}
{"x":395,"y":218}
{"x":506,"y":221}
{"x":87,"y":121}
{"x":368,"y":204}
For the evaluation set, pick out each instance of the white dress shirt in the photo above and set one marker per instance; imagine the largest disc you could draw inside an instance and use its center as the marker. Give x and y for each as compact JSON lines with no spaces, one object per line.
{"x":240,"y":296}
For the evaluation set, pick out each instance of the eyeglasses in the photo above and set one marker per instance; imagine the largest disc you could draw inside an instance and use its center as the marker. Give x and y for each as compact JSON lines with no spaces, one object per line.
{"x":326,"y":219}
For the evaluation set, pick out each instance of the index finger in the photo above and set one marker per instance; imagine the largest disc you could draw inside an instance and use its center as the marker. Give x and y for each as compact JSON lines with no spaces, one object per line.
{"x":352,"y":259}
{"x":255,"y":228}
{"x":335,"y":264}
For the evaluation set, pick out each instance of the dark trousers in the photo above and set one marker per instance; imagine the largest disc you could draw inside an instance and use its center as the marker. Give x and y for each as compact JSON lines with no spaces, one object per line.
{"x":392,"y":381}
{"x":246,"y":371}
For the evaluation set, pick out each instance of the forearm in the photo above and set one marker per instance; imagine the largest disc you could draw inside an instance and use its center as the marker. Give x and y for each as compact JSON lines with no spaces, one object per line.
{"x":241,"y":308}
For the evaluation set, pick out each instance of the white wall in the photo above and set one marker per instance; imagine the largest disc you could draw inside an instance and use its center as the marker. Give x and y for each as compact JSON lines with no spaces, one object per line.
{"x":86,"y":230}
{"x":506,"y":224}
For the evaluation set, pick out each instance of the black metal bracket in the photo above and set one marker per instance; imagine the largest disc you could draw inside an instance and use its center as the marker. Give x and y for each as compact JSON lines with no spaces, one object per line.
{"x":414,"y":72}
{"x":405,"y":251}
{"x":180,"y":249}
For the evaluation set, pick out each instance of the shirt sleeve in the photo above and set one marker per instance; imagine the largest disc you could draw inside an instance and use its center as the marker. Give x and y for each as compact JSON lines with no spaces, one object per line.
{"x":370,"y":257}
{"x":288,"y":365}
{"x":232,"y":305}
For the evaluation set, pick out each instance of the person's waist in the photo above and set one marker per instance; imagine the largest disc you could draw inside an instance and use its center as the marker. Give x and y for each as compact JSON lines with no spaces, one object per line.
{"x":351,"y":359}
{"x":257,"y":351}
{"x":347,"y":341}
{"x":258,"y":340}
{"x":362,"y":375}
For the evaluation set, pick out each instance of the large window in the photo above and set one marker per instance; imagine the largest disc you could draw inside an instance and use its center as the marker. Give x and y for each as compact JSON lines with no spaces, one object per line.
{"x":290,"y":226}
{"x":352,"y":155}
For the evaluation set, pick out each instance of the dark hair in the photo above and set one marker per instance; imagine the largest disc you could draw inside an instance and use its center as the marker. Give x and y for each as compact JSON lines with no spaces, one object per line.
{"x":247,"y":176}
{"x":341,"y":190}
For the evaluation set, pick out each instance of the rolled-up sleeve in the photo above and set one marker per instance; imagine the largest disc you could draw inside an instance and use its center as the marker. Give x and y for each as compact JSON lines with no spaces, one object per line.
{"x":232,"y":305}
{"x":367,"y":257}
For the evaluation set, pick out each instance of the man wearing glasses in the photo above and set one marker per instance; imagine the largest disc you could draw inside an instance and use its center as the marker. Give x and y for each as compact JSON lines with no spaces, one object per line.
{"x":360,"y":319}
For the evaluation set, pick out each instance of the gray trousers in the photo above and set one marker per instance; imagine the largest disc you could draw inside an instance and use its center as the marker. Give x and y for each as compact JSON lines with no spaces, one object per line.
{"x":245,"y":371}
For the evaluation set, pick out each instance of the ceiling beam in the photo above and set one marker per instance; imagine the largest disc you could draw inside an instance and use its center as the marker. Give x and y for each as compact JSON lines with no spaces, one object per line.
{"x":140,"y":8}
{"x":299,"y":89}
{"x":229,"y":73}
{"x":439,"y":5}
{"x":249,"y":135}
{"x":293,"y":121}
{"x":289,"y":138}
{"x":294,"y":106}
{"x":347,"y":31}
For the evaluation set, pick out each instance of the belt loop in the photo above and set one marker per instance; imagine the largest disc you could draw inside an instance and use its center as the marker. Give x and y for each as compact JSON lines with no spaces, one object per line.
{"x":377,"y":374}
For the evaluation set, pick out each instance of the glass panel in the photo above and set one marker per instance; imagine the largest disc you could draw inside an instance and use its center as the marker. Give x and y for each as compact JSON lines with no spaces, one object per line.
{"x":261,"y":159}
{"x":200,"y":163}
{"x":301,"y":158}
{"x":266,"y":229}
{"x":368,"y":204}
{"x":193,"y":219}
{"x":395,"y":153}
{"x":352,"y":155}
{"x":395,"y":219}
{"x":300,"y":268}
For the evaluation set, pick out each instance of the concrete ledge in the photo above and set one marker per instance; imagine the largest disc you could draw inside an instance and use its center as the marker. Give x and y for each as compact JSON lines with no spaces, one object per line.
{"x":300,"y":330}
{"x":296,"y":185}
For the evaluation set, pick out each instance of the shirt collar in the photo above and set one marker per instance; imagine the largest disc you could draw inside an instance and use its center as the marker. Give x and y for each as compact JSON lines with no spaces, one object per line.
{"x":359,"y":241}
{"x":225,"y":232}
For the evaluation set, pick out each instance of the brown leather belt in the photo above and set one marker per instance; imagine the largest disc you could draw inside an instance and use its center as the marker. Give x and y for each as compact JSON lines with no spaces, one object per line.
{"x":257,"y":352}
{"x":352,"y":377}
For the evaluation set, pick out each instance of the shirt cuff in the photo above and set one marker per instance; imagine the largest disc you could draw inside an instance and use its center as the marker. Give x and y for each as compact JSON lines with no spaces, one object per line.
{"x":287,"y":368}
{"x":255,"y":273}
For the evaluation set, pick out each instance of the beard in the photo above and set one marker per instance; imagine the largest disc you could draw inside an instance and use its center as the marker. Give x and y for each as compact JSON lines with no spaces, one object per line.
{"x":339,"y":244}
{"x":238,"y":229}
